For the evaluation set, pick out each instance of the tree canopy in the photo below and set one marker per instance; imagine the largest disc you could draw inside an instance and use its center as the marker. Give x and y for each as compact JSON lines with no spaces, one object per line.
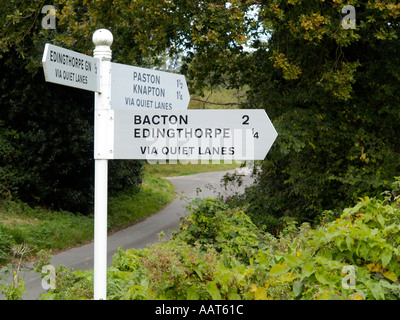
{"x":331,"y":92}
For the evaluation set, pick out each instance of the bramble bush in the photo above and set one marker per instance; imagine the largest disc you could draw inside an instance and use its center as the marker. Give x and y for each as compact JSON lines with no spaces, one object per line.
{"x":212,"y":222}
{"x":218,"y":253}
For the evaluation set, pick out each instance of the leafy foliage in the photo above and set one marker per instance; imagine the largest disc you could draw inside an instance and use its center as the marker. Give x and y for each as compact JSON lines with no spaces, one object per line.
{"x":211,"y":223}
{"x":46,"y":130}
{"x":330,"y":91}
{"x":331,"y":95}
{"x":302,"y":262}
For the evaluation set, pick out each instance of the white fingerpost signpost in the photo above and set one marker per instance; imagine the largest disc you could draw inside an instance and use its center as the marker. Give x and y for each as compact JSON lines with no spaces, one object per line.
{"x":103,"y":126}
{"x":141,"y":114}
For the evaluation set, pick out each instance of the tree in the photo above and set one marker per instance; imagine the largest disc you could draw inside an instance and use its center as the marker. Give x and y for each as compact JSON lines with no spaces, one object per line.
{"x":331,"y":92}
{"x":46,"y":130}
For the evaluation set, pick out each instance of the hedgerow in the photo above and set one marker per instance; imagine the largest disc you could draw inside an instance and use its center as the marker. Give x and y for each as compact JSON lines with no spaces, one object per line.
{"x":218,"y":253}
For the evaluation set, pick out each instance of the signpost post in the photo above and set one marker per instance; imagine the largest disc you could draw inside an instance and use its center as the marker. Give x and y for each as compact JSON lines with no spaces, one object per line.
{"x":141,"y":114}
{"x":102,"y":127}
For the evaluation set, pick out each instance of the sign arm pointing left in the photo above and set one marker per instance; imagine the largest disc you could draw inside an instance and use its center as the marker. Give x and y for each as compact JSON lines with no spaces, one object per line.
{"x":70,"y":68}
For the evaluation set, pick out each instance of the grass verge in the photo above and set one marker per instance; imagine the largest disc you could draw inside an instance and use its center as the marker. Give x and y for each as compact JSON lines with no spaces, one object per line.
{"x":127,"y":208}
{"x":179,"y":169}
{"x":43,"y":229}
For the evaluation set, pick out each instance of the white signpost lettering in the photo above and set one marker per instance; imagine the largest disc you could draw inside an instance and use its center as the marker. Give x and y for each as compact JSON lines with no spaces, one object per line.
{"x":70,"y":68}
{"x":135,"y":88}
{"x":141,"y":114}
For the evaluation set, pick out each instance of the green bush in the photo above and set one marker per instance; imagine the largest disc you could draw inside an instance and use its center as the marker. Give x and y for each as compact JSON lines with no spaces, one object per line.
{"x":7,"y":152}
{"x":311,"y":263}
{"x":71,"y":285}
{"x":355,"y":257}
{"x":332,"y":97}
{"x":213,"y":223}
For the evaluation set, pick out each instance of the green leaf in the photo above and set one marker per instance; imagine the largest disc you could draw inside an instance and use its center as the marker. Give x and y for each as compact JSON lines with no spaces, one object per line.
{"x":232,"y":294}
{"x":381,"y":220}
{"x":198,"y":272}
{"x":363,"y":249}
{"x":367,"y":216}
{"x":308,"y":270}
{"x":350,"y":243}
{"x":233,"y":233}
{"x":225,"y":260}
{"x":279,"y":269}
{"x":338,"y":242}
{"x":291,"y":260}
{"x":297,"y":288}
{"x":322,"y":277}
{"x":386,"y":256}
{"x":376,"y":290}
{"x":192,"y":293}
{"x":212,"y":289}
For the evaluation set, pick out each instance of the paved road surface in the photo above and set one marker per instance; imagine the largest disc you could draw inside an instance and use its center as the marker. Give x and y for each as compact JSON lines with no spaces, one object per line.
{"x":141,"y":234}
